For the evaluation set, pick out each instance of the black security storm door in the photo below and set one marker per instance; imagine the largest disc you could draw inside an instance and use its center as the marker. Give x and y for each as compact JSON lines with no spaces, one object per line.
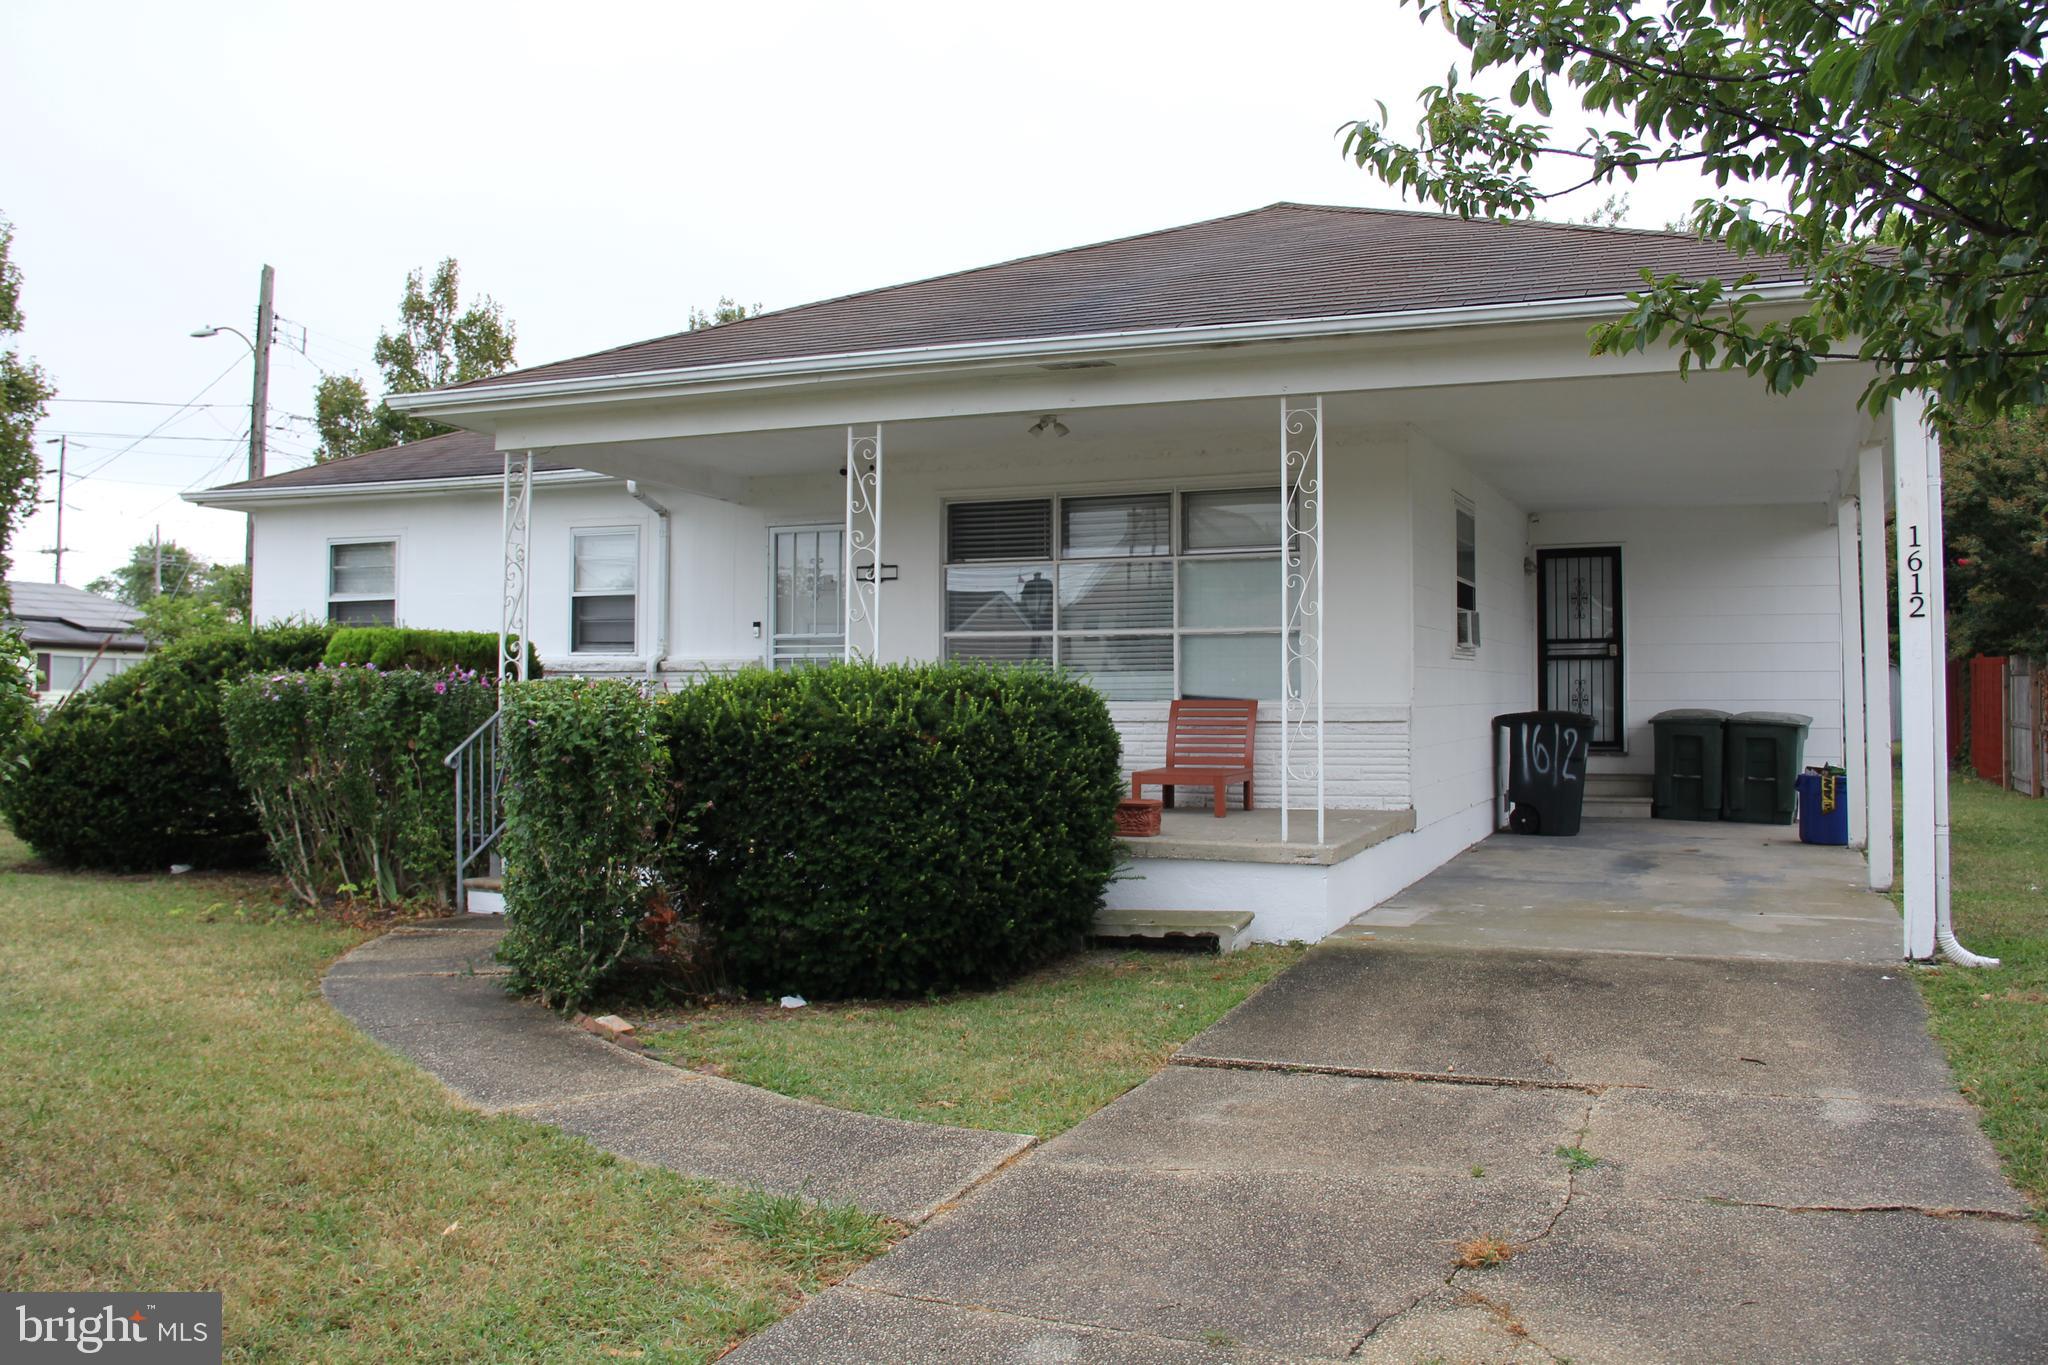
{"x":1578,"y":629}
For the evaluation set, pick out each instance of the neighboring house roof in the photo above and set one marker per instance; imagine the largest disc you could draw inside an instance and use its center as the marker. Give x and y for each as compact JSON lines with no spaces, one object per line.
{"x":457,"y":455}
{"x":1281,"y":262}
{"x":52,"y":616}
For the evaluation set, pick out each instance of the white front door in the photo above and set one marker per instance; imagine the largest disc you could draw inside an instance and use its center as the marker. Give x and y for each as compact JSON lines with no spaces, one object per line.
{"x":807,"y":617}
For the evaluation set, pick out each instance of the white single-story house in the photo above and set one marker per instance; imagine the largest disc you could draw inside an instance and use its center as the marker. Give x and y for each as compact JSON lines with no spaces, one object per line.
{"x":78,"y":638}
{"x":1100,"y":457}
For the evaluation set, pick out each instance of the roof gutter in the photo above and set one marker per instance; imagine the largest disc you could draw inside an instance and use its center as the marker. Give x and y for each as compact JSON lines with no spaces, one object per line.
{"x":856,"y":364}
{"x":234,"y":497}
{"x":663,"y":519}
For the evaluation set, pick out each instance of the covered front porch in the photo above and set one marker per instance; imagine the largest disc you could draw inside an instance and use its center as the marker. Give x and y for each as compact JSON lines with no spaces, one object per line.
{"x":1385,"y":610}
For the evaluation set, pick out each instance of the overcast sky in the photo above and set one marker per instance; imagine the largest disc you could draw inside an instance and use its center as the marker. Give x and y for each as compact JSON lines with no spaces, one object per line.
{"x":598,"y":170}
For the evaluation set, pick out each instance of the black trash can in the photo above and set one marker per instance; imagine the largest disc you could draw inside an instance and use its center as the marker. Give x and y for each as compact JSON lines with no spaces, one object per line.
{"x":1760,"y":769}
{"x":1544,"y":753}
{"x":1689,"y":750}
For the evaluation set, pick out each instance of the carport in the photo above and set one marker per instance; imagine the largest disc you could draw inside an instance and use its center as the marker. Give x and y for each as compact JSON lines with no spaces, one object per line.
{"x":1693,"y":889}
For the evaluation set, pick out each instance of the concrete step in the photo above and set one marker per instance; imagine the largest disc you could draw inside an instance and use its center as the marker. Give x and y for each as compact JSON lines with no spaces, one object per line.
{"x":486,"y":895}
{"x":1227,"y":927}
{"x":1616,"y":807}
{"x":1624,"y":785}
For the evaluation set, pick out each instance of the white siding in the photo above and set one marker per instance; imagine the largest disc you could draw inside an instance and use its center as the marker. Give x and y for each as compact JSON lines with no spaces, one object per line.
{"x":1734,"y":608}
{"x":1457,"y":697}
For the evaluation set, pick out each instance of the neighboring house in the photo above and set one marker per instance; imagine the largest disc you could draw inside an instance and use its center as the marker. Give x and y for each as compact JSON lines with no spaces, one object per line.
{"x":1080,"y":457}
{"x":78,"y":638}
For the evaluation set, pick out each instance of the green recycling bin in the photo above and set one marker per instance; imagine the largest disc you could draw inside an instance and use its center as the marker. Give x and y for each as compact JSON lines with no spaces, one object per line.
{"x":1760,"y":768}
{"x":1689,"y":750}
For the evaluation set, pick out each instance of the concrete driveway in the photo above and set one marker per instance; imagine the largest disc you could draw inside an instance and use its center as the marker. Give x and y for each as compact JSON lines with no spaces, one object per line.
{"x":1682,"y":1159}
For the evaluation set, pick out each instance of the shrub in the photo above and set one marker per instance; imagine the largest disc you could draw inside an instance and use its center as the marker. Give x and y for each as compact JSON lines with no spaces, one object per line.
{"x":431,"y":651}
{"x":135,"y":773}
{"x":586,"y":785}
{"x":853,"y":830}
{"x":17,"y":697}
{"x":343,"y":766}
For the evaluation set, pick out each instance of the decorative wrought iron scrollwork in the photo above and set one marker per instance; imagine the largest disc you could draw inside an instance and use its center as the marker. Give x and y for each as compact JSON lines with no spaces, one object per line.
{"x":1301,"y":605}
{"x":515,"y":600}
{"x":862,"y":587}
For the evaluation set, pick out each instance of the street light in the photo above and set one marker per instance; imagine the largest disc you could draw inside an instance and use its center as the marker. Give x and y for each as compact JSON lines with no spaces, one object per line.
{"x":259,"y":407}
{"x":212,"y":331}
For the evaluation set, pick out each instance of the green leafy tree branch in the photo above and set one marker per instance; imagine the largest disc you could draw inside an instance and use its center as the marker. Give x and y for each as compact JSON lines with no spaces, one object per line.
{"x":1887,"y":149}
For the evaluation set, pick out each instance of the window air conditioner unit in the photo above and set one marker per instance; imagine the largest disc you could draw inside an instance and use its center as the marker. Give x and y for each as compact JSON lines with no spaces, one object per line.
{"x":1468,"y":628}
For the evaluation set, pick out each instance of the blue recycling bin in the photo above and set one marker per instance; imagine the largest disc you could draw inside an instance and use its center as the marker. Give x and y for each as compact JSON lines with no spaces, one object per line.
{"x":1823,"y":805}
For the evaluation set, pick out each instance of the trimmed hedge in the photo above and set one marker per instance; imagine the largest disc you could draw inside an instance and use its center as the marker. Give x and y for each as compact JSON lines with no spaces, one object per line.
{"x":584,"y":812}
{"x":343,"y":766}
{"x":851,"y":830}
{"x":432,"y":651}
{"x":134,"y":774}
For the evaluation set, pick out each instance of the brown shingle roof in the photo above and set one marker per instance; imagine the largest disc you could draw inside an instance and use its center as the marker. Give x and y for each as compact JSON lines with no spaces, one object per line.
{"x":1285,"y":261}
{"x":459,"y":454}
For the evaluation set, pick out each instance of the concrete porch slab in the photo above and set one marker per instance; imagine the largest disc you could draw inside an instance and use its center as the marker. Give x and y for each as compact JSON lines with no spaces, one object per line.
{"x":1253,"y":836}
{"x":1714,"y":889}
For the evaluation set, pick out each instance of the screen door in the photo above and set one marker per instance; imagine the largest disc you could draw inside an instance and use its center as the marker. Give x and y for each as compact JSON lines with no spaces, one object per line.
{"x":808,"y":620}
{"x":1578,"y":626}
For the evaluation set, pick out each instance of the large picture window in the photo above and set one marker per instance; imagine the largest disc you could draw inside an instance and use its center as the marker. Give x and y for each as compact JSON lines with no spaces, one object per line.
{"x":362,"y":582}
{"x":604,"y":594}
{"x":1150,"y":595}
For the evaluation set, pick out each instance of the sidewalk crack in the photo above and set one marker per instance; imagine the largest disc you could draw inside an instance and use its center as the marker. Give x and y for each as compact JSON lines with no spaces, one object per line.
{"x":1924,"y":1210}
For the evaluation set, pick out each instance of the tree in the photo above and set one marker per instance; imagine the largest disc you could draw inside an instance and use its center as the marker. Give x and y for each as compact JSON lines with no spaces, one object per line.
{"x":196,"y":595}
{"x":1896,"y":142}
{"x":1995,"y":503}
{"x":438,"y":342}
{"x":136,"y":581}
{"x":24,"y":390}
{"x":724,"y":311}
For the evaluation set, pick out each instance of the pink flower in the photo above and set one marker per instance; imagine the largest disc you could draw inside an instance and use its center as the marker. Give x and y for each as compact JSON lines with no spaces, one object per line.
{"x":440,"y":687}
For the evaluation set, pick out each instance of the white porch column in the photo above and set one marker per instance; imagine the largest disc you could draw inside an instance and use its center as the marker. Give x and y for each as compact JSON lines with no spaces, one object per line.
{"x":1877,"y":669}
{"x":1848,"y":565}
{"x":515,"y":602}
{"x":1301,"y":605}
{"x":861,"y":590}
{"x":1921,"y":727}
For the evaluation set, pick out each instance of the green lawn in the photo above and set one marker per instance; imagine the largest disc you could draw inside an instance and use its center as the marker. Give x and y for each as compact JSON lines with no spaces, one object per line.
{"x":1036,"y":1058}
{"x":179,"y":1109}
{"x":1994,"y":1024}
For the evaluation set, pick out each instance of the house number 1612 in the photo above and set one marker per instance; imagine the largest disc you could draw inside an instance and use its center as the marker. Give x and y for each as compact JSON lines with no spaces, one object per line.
{"x":1916,"y":560}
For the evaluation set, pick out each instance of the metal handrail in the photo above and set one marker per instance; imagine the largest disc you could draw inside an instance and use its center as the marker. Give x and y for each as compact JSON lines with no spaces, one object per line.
{"x":479,"y":800}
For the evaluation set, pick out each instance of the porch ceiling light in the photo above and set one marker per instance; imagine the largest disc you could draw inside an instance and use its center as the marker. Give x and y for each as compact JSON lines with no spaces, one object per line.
{"x":1049,"y":422}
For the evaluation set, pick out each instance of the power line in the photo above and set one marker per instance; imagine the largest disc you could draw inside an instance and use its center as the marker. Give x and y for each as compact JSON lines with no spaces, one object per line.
{"x":145,"y":436}
{"x":142,"y":402}
{"x":233,"y":365}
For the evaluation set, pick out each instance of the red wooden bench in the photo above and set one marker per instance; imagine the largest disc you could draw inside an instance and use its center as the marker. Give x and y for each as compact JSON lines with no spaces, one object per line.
{"x":1208,"y":744}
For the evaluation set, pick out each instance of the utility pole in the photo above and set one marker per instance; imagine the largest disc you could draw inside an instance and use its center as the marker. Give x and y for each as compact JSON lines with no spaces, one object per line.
{"x":63,"y":444}
{"x":259,"y":406}
{"x":157,"y":548}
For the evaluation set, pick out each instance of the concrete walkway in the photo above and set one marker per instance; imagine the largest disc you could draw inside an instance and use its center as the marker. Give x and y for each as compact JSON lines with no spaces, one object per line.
{"x":431,"y":993}
{"x":1772,"y":1164}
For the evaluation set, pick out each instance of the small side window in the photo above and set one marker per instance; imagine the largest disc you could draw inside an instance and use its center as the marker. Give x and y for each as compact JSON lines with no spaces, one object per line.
{"x":604,"y":596}
{"x":362,"y":583}
{"x":1467,"y":577}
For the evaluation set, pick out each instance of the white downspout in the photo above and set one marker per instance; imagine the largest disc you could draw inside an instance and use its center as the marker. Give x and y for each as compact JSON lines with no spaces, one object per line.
{"x":1944,"y":922}
{"x":662,"y":520}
